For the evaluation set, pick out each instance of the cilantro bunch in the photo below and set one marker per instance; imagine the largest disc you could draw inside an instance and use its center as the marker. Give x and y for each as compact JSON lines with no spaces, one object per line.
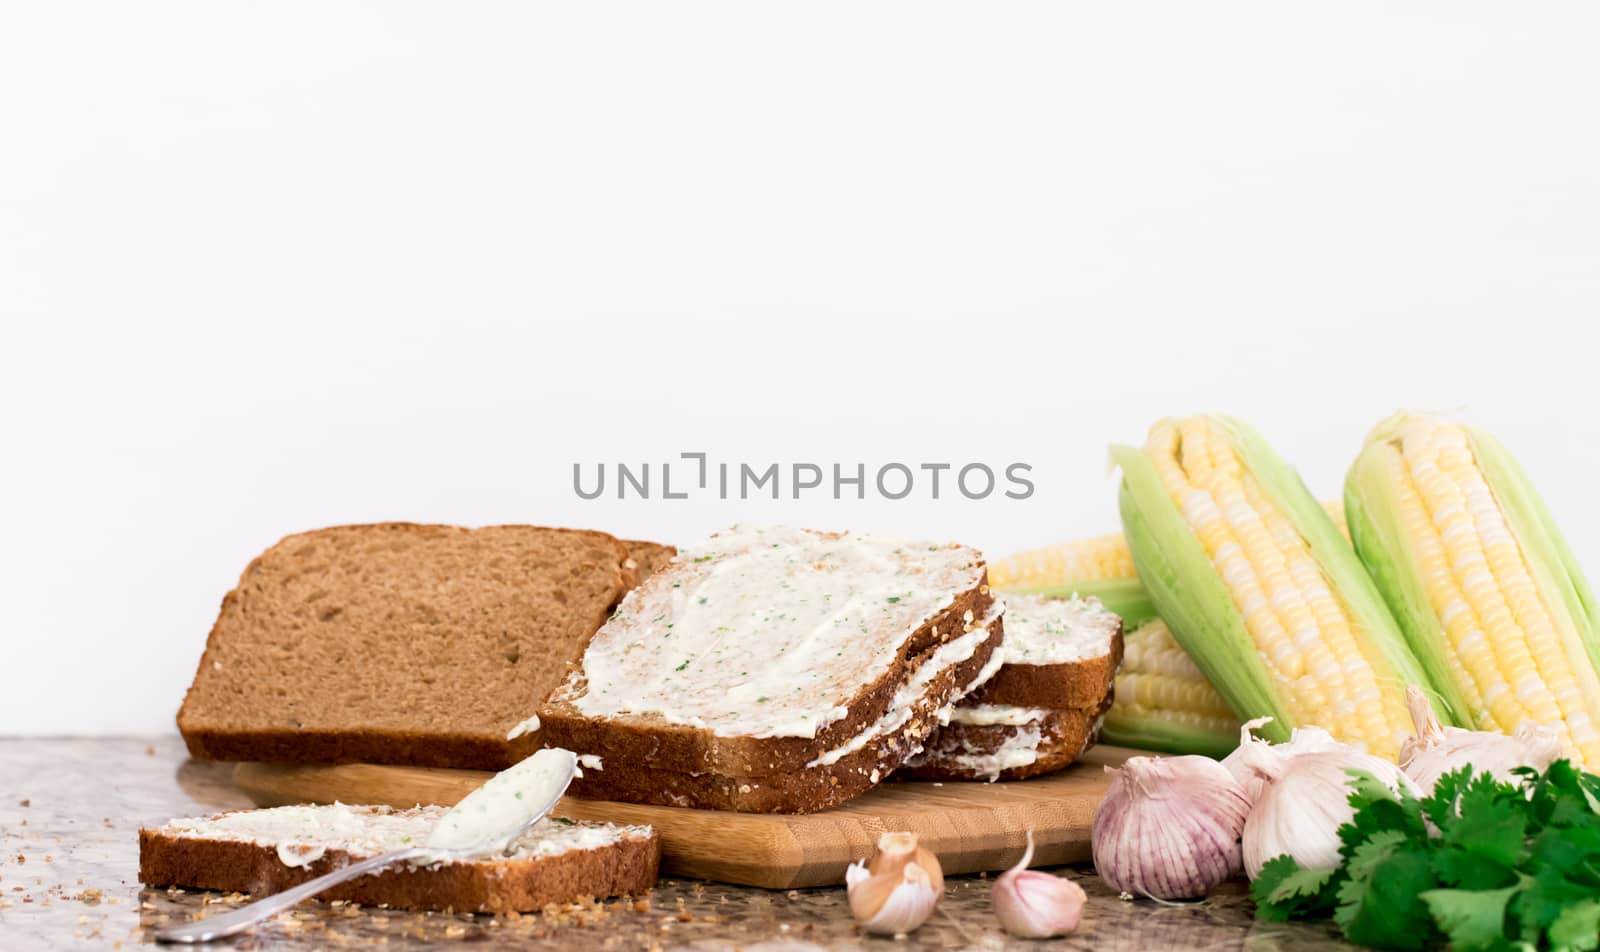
{"x":1478,"y":864}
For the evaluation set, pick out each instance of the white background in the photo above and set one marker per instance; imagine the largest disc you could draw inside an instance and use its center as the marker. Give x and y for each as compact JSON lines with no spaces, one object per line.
{"x":270,"y":267}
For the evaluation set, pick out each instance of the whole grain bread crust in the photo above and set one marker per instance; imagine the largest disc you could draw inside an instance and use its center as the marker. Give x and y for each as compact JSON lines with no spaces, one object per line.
{"x":683,"y":749}
{"x":355,"y":745}
{"x":628,"y":867}
{"x":1070,"y":684}
{"x":802,"y":790}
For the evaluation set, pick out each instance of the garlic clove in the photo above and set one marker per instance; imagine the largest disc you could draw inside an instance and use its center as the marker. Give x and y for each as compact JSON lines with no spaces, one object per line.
{"x":897,"y":849}
{"x":898,"y":890}
{"x":1035,"y":905}
{"x":894,"y":851}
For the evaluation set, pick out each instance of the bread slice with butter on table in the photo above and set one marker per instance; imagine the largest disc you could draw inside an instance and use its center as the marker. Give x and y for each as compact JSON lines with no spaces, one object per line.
{"x":1043,"y":708}
{"x":399,"y":643}
{"x":776,"y":670}
{"x":268,"y":851}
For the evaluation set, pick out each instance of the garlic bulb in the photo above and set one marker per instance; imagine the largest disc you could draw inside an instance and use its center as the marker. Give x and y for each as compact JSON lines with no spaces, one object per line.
{"x":898,"y":890}
{"x":1305,"y":801}
{"x":1169,"y":827}
{"x":1437,"y":750}
{"x":1301,"y":740}
{"x":1034,"y":905}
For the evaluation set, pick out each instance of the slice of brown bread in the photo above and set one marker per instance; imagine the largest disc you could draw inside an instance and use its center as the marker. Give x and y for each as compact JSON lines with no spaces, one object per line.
{"x":267,"y":851}
{"x":775,"y":670}
{"x":809,"y":788}
{"x":648,"y":557}
{"x":400,"y":643}
{"x":1042,"y":709}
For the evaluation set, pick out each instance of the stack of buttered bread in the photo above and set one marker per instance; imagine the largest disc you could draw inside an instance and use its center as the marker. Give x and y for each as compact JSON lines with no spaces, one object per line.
{"x":765,"y":669}
{"x":1043,"y":708}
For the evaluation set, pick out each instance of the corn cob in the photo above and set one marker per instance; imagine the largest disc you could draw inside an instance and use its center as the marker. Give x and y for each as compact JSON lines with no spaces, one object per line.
{"x":1486,"y":589}
{"x":1100,"y":567}
{"x":1163,"y":701}
{"x":1260,"y":588}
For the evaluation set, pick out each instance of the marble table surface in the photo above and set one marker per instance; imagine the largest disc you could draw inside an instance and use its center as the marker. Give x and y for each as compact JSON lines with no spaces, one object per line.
{"x":71,"y":808}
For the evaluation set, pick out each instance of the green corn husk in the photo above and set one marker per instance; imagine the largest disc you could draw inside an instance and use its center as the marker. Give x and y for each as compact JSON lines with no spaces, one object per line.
{"x":1167,"y":736}
{"x":1190,"y":594}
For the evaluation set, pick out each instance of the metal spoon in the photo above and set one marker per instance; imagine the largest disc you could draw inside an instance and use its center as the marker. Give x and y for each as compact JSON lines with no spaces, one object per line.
{"x":485,"y":822}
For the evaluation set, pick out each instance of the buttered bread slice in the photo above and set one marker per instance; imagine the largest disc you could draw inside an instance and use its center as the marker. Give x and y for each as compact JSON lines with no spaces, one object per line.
{"x":268,"y":851}
{"x":776,"y":670}
{"x":1042,"y":710}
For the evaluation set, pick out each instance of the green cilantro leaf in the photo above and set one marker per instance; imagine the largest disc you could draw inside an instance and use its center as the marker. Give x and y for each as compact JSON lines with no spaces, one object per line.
{"x":1302,"y":884}
{"x":1386,"y":910}
{"x":1560,"y":798}
{"x":1374,"y":851}
{"x":1548,"y":895}
{"x":1440,"y":806}
{"x":1566,"y":848}
{"x":1490,"y":823}
{"x":1284,"y":891}
{"x":1266,"y":888}
{"x":1589,"y":785}
{"x":1366,"y":789}
{"x":1379,"y":809}
{"x":1462,"y":870}
{"x":1578,"y":927}
{"x":1473,"y":919}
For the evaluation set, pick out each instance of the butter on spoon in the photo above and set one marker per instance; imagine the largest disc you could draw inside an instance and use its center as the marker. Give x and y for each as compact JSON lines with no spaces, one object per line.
{"x":486,"y":820}
{"x":484,"y":823}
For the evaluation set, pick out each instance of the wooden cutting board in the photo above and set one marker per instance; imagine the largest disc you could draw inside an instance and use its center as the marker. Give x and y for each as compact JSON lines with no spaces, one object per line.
{"x":970,"y":826}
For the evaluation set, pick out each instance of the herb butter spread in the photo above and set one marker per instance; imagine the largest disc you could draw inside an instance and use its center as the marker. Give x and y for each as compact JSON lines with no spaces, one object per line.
{"x":1019,"y":749}
{"x":523,"y":727}
{"x":990,"y":715}
{"x":1043,"y":630}
{"x":303,"y":834}
{"x":945,"y":657}
{"x":767,"y":632}
{"x":487,"y":818}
